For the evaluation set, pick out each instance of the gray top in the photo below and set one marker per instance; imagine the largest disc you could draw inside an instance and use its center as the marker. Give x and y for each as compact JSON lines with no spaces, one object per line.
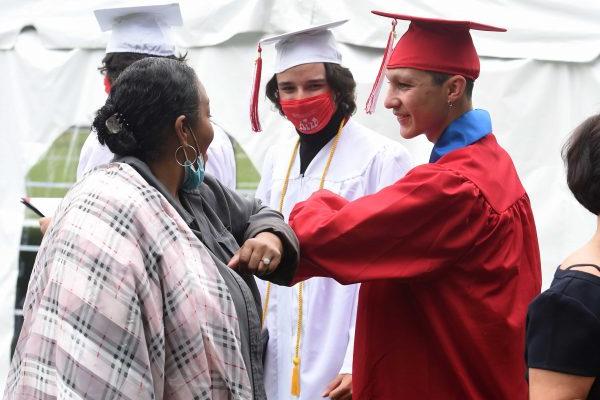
{"x":223,"y":220}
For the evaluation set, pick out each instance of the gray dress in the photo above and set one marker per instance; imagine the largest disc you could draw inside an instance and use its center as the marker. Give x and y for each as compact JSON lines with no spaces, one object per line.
{"x":223,"y":220}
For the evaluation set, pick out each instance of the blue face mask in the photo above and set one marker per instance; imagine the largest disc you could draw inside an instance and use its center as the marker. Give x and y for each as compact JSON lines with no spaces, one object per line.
{"x":193,"y":176}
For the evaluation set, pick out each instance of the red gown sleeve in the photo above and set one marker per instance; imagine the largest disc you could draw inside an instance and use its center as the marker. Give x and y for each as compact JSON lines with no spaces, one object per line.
{"x":418,"y":226}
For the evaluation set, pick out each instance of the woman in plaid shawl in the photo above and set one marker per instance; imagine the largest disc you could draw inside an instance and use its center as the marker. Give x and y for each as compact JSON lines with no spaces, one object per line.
{"x":130,"y":296}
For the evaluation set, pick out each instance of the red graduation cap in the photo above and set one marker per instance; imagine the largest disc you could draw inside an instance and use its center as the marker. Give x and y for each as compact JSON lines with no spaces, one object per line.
{"x":432,"y":45}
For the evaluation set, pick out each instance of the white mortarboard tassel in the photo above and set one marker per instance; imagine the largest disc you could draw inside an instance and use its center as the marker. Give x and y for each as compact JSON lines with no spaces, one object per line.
{"x":144,"y":29}
{"x":304,"y":46}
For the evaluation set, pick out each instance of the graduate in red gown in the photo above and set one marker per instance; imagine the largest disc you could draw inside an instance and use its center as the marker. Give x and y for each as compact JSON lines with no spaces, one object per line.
{"x":448,"y":255}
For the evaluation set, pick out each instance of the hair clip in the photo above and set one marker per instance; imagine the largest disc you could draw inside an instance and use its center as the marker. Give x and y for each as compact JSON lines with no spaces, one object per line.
{"x":114,"y":123}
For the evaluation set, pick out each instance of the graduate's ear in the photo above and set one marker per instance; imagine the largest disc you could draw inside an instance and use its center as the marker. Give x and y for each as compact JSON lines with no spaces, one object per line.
{"x":455,"y":87}
{"x":180,"y":130}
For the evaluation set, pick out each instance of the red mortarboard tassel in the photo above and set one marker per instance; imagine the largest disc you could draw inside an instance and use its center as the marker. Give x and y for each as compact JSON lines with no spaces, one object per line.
{"x":254,"y":119}
{"x":372,"y":100}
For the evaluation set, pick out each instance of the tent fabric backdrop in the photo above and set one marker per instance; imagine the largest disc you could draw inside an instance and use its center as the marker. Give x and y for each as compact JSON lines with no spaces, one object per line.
{"x":552,"y":30}
{"x":538,"y":81}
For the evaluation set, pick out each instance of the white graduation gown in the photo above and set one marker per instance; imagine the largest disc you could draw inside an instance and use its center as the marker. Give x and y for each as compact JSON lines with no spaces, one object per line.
{"x":363,"y":163}
{"x":221,"y":159}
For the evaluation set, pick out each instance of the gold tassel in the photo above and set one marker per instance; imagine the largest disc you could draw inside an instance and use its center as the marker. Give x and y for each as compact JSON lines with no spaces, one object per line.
{"x":296,"y":377}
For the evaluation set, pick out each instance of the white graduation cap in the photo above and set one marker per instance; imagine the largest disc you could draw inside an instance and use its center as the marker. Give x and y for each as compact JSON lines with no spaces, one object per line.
{"x":143,"y":29}
{"x":308,"y":45}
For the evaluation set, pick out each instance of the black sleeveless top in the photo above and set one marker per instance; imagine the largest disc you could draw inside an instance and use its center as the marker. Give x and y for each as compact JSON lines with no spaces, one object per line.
{"x":563,"y":326}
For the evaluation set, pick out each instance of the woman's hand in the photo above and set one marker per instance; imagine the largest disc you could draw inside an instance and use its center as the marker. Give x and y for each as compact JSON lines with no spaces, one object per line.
{"x":44,"y":224}
{"x":259,"y":255}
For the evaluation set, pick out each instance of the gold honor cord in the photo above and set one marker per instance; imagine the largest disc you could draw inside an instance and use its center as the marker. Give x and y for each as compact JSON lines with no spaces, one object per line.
{"x":295,"y":389}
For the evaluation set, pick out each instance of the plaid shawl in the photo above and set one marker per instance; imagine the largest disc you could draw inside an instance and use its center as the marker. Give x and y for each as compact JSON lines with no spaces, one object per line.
{"x":126,"y":303}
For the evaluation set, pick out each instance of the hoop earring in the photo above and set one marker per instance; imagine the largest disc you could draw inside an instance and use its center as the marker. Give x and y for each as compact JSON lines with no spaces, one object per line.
{"x":187,"y":161}
{"x":450,"y":104}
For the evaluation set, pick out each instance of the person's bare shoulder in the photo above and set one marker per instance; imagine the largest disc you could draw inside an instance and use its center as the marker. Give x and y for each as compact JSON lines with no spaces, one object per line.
{"x":585,"y":259}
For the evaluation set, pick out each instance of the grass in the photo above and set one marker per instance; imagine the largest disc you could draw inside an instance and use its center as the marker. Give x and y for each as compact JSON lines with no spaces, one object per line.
{"x":247,"y":176}
{"x":57,"y":165}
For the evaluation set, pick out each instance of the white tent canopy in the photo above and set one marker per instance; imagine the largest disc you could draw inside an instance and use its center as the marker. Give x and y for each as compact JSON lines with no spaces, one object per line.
{"x":539,"y":80}
{"x":550,"y":30}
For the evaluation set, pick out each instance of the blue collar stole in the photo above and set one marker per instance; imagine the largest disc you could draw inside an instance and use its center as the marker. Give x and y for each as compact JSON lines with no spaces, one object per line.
{"x":463,"y":131}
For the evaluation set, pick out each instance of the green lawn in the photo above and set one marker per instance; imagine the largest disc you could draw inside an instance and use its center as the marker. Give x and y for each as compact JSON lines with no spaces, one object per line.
{"x":58,"y":166}
{"x":247,"y":176}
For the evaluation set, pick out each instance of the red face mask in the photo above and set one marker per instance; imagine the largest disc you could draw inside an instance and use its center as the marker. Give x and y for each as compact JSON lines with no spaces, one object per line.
{"x":309,"y":115}
{"x":106,"y":84}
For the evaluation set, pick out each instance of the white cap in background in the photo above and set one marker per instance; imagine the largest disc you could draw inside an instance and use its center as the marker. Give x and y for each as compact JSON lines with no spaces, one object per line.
{"x":144,"y":29}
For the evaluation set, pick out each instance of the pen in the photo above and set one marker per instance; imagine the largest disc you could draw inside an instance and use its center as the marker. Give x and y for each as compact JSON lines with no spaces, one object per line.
{"x":31,"y":207}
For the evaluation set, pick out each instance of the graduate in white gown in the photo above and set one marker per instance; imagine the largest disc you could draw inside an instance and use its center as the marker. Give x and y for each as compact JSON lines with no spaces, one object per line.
{"x":139,"y":32}
{"x":311,"y":325}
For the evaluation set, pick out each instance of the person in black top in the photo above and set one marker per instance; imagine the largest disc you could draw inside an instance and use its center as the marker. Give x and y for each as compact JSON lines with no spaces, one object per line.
{"x":563,"y":323}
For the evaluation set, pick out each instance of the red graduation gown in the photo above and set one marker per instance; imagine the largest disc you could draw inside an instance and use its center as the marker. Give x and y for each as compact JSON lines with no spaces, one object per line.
{"x":449,"y":261}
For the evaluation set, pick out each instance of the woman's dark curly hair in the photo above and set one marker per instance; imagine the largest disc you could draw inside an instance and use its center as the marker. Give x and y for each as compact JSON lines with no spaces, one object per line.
{"x":115,"y":63}
{"x":144,"y":103}
{"x":581,"y":154}
{"x":339,"y":79}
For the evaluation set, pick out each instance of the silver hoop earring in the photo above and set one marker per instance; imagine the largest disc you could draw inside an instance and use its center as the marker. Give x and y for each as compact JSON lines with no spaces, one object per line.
{"x":187,"y":161}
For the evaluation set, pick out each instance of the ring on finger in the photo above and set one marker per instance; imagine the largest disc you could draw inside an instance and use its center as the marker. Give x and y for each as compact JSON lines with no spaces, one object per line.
{"x":266,"y":260}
